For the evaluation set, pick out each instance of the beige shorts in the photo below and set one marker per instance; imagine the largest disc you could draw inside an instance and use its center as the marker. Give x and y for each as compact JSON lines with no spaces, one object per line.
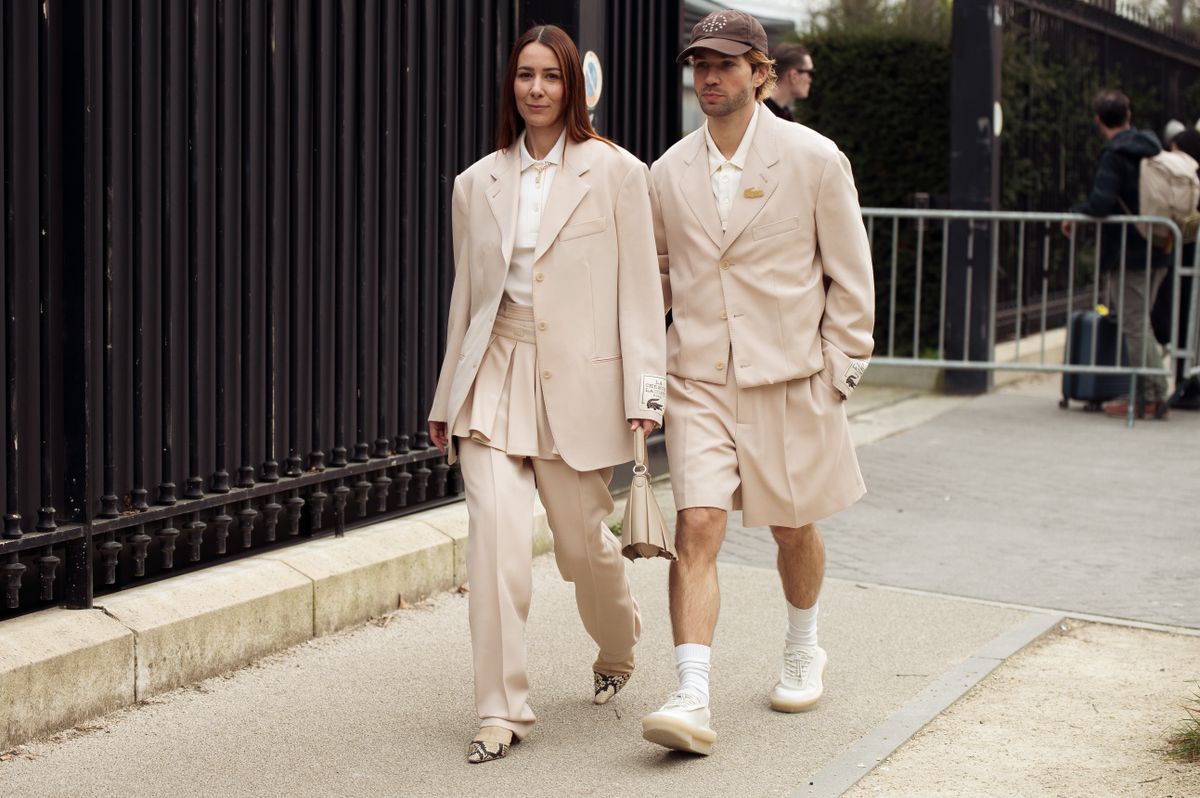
{"x":781,"y":454}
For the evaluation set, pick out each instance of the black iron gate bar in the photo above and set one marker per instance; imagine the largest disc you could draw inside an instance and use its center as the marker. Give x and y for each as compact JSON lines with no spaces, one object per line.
{"x":387,"y":471}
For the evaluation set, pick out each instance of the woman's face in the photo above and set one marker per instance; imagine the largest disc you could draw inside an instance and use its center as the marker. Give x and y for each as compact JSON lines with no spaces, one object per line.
{"x":539,"y":86}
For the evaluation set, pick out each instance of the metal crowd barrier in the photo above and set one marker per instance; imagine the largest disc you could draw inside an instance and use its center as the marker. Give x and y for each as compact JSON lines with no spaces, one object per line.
{"x":1036,"y":278}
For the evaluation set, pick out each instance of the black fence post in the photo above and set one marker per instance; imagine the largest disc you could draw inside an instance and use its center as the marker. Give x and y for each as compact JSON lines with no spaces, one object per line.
{"x":974,"y":185}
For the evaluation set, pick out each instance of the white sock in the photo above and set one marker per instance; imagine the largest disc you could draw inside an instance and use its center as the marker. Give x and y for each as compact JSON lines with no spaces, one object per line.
{"x":802,"y":627}
{"x":692,"y":664}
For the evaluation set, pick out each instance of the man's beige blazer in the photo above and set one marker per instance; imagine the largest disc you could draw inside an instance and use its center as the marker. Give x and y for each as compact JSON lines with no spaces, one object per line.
{"x":789,"y":285}
{"x":597,"y":301}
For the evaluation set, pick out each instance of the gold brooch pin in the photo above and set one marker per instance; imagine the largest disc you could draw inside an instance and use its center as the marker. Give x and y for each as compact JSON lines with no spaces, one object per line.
{"x":752,"y":193}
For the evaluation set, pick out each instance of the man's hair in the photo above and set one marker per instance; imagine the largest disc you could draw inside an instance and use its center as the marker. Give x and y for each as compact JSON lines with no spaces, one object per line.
{"x":1188,"y":141}
{"x":758,"y":58}
{"x":1112,"y":107}
{"x":789,"y":55}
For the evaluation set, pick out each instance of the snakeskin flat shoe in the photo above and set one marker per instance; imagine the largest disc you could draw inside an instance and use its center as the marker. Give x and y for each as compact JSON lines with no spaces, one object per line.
{"x":481,"y":751}
{"x":607,"y":685}
{"x":490,"y":744}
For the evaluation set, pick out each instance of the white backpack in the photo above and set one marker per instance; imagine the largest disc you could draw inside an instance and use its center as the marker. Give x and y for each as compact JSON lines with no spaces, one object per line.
{"x":1168,"y":186}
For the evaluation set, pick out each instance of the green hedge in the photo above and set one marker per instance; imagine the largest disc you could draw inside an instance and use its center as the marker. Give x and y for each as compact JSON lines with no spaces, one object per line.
{"x":885,"y":100}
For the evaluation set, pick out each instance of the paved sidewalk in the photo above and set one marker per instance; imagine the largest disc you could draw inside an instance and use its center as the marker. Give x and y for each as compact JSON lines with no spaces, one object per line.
{"x":386,"y":710}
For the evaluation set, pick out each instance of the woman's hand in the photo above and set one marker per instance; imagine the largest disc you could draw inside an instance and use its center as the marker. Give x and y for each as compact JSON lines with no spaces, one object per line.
{"x":646,"y":424}
{"x":437,"y":434}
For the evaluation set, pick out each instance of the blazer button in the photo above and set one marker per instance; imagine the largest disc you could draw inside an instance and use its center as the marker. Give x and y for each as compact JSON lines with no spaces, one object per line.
{"x":724,"y":315}
{"x":725,"y":264}
{"x":542,"y":325}
{"x":720,"y":366}
{"x":546,"y":374}
{"x":539,"y":277}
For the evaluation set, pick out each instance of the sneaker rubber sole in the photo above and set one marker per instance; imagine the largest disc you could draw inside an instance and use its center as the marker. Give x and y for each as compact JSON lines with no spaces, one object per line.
{"x":678,"y":736}
{"x":782,"y":703}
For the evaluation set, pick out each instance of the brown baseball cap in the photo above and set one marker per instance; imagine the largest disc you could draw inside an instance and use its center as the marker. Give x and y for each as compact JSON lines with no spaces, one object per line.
{"x":728,"y":32}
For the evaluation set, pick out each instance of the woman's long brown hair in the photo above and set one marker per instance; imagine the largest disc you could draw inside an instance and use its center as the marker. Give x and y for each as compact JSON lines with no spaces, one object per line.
{"x":575,"y":112}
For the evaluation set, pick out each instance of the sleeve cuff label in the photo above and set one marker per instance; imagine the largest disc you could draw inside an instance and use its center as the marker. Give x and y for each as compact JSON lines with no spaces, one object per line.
{"x":653,"y":395}
{"x":854,"y":373}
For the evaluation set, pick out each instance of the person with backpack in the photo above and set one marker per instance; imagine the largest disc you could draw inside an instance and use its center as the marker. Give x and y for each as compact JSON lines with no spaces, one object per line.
{"x":1115,"y":191}
{"x":1187,"y":390}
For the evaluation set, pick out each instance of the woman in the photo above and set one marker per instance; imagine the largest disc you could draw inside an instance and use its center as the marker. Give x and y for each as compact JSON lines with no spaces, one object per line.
{"x":555,"y":352}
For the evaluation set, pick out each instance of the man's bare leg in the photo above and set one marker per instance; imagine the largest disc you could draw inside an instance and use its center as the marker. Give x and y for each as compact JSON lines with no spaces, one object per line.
{"x":683,"y":722}
{"x":695,"y":597}
{"x":801,"y":564}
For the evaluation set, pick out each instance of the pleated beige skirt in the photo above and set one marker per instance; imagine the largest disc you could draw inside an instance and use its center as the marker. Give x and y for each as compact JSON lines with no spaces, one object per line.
{"x":505,"y":408}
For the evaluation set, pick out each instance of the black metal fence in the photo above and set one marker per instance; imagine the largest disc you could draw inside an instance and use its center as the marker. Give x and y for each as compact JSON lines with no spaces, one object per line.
{"x":225,"y":270}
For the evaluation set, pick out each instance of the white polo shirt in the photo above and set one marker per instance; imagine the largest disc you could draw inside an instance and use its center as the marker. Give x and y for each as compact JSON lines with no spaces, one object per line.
{"x":727,"y":174}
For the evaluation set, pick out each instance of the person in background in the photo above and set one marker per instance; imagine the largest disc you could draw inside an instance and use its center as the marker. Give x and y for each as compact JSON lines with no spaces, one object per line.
{"x":1123,"y":268}
{"x":1187,"y":391}
{"x":794,"y":71}
{"x":555,"y":351}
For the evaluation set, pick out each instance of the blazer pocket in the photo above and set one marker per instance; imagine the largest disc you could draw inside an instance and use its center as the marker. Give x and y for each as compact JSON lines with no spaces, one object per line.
{"x":590,"y":227}
{"x":776,"y":228}
{"x":606,"y":358}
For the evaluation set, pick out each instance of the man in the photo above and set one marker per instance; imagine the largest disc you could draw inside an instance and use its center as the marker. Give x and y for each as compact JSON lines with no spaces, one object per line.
{"x":1115,"y":191}
{"x":764,"y":254}
{"x":794,"y":68}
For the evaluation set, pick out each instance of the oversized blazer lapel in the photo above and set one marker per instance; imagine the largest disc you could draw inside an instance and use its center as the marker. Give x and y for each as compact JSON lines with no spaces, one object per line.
{"x":566,"y":192}
{"x":503,"y":196}
{"x":697,"y":189}
{"x":757,"y":184}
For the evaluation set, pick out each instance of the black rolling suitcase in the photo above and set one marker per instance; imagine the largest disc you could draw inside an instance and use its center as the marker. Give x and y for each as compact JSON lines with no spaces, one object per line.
{"x":1088,"y":326}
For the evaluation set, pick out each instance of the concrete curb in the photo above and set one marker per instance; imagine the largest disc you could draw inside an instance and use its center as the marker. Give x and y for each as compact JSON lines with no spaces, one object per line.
{"x":58,"y":668}
{"x":860,"y":758}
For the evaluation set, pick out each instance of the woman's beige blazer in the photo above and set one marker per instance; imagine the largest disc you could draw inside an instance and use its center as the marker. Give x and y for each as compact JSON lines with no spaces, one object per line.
{"x":597,"y":300}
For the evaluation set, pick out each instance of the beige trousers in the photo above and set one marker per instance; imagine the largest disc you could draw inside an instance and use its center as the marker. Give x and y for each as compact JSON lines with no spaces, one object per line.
{"x":499,"y":489}
{"x":1133,"y":303}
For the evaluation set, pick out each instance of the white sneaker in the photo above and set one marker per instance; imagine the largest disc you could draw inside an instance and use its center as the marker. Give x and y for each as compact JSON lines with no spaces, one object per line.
{"x":681,"y":724}
{"x":799,"y":686}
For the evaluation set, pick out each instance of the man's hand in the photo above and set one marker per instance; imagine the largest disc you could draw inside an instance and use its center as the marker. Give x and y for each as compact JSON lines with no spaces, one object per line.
{"x":437,"y":434}
{"x":1067,"y":227}
{"x":646,"y":424}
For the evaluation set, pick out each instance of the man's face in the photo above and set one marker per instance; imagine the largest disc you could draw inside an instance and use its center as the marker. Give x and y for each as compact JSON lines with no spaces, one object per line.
{"x":802,"y":78}
{"x":724,"y":83}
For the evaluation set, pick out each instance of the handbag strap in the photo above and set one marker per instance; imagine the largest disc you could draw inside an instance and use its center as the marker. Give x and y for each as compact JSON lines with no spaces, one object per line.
{"x":639,"y":451}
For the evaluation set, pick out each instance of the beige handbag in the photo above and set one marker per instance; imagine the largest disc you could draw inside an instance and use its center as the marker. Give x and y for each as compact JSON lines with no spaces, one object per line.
{"x":644,"y":531}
